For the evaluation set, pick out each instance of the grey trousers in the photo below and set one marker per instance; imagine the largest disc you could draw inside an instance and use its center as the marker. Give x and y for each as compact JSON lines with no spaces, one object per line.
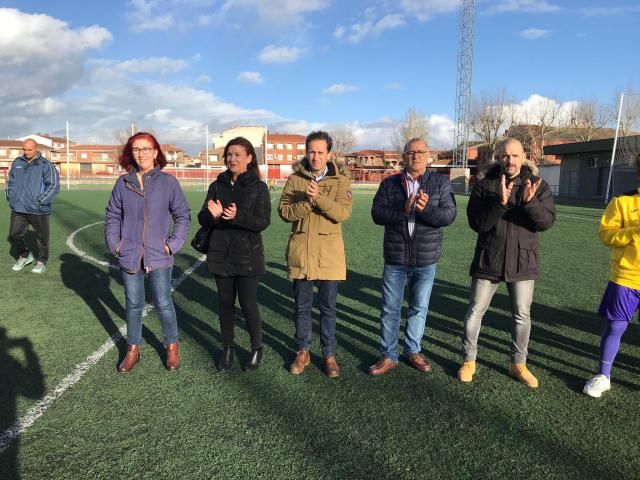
{"x":521,"y":296}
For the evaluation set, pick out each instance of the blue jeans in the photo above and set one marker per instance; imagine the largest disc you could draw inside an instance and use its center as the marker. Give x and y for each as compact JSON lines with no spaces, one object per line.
{"x":327,"y":294}
{"x":160,"y":282}
{"x":394,"y":278}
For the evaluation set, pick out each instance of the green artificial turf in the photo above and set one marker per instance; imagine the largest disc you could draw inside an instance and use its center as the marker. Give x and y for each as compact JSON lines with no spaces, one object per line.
{"x":199,"y":423}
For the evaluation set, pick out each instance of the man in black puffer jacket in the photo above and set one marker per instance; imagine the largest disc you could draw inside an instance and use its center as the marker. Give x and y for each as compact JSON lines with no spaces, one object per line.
{"x":413,"y":206}
{"x":507,"y":209}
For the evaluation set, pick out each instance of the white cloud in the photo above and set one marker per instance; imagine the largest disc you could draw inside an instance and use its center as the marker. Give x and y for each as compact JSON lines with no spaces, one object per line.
{"x":424,"y":10}
{"x":529,"y":6}
{"x":203,"y":79}
{"x":161,"y":65}
{"x":533,"y":33}
{"x":359,"y":31}
{"x":339,"y":88}
{"x":273,"y":54}
{"x":278,"y":11}
{"x":143,"y":15}
{"x":250,"y":77}
{"x":393,"y":86}
{"x":609,"y":11}
{"x":27,"y":42}
{"x":391,"y":14}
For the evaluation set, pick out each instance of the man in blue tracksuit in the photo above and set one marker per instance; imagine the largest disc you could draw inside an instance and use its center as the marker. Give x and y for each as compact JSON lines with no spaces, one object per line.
{"x":33,"y":183}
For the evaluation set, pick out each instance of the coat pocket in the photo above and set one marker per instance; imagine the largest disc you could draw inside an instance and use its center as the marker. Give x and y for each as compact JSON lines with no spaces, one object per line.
{"x":296,"y":250}
{"x":527,"y":256}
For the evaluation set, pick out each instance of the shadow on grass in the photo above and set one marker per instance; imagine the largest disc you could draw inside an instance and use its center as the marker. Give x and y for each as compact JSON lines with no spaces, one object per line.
{"x":21,"y":375}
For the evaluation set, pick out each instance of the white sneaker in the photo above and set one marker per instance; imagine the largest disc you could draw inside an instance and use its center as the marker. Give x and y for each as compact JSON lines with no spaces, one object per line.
{"x":597,"y":386}
{"x":39,"y":268}
{"x":22,"y":262}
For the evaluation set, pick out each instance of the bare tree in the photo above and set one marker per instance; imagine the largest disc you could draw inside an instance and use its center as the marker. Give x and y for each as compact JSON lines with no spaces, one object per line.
{"x":541,"y":120}
{"x":414,"y":125}
{"x":587,"y":117}
{"x":122,"y":134}
{"x":630,"y":115}
{"x":343,"y":140}
{"x":491,"y":115}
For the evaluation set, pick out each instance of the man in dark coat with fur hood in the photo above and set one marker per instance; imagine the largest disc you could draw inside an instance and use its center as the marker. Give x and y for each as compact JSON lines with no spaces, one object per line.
{"x":507,"y":209}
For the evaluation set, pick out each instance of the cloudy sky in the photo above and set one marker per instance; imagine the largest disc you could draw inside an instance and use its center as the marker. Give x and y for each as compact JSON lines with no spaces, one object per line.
{"x":175,"y":66}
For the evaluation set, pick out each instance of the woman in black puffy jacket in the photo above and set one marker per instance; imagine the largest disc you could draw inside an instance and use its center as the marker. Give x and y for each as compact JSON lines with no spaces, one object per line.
{"x":236,"y":210}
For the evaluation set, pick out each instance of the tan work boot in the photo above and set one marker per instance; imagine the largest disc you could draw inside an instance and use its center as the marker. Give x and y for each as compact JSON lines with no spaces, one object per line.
{"x":331,"y":367}
{"x":520,"y":372}
{"x":303,"y":359}
{"x":131,"y":359}
{"x":467,"y":371}
{"x":173,"y":356}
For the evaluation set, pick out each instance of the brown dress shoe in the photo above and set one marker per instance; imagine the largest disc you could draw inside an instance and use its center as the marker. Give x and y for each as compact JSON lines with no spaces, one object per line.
{"x":131,"y":359}
{"x":173,"y":356}
{"x":418,"y":362}
{"x":382,"y":366}
{"x":303,"y":359}
{"x":331,"y":367}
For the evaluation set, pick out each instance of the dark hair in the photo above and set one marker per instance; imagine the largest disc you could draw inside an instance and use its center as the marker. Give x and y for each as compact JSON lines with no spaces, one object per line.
{"x":126,"y":159}
{"x":319,"y":135}
{"x":248,"y":148}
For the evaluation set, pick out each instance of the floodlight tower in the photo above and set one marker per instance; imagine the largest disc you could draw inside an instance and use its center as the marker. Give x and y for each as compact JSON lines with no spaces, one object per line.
{"x":463,"y":83}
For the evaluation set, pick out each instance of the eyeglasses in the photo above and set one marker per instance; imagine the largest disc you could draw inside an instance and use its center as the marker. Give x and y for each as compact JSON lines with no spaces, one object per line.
{"x":419,"y":153}
{"x":145,"y":150}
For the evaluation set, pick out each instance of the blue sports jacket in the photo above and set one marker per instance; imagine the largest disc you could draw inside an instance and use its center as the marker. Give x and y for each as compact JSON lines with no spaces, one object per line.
{"x":31,"y":186}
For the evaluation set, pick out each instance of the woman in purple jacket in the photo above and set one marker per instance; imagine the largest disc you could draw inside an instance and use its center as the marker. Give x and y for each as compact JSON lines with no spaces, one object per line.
{"x":138,"y":232}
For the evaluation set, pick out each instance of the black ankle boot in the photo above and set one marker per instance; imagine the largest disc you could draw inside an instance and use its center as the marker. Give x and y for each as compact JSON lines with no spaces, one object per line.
{"x":254,"y":359}
{"x":227,"y":358}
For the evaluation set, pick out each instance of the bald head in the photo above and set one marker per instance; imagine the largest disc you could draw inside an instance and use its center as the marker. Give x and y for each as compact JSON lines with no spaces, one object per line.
{"x":511,"y":155}
{"x":30,"y":148}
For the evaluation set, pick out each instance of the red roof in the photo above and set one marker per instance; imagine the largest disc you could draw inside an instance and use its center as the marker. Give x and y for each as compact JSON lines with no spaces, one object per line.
{"x":285,"y":138}
{"x":94,"y":147}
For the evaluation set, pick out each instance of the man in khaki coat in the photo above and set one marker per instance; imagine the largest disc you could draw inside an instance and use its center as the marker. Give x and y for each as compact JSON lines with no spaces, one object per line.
{"x":316,"y":200}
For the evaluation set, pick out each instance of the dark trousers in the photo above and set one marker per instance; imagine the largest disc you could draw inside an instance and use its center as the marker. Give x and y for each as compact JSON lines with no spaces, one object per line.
{"x":18,"y":229}
{"x":246,"y":289}
{"x":327,"y":294}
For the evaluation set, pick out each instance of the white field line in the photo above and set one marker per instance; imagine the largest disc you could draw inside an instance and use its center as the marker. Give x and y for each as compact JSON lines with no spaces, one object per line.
{"x":39,"y":409}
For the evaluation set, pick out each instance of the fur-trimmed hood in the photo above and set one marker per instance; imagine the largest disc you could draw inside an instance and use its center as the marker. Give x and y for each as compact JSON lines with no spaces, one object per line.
{"x":495,"y":169}
{"x":335,"y":168}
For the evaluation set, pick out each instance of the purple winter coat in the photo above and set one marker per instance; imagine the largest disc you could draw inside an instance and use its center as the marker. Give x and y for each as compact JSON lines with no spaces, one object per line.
{"x":137,"y":223}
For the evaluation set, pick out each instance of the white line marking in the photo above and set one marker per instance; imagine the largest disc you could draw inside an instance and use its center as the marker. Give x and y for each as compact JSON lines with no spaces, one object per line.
{"x":39,"y":409}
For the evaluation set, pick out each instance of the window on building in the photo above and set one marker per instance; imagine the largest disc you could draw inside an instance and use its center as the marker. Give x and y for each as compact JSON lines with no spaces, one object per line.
{"x":301,"y":146}
{"x":3,"y":152}
{"x":592,"y":162}
{"x":289,"y":146}
{"x":269,"y":156}
{"x":15,"y":153}
{"x":300,"y":157}
{"x":105,"y":156}
{"x":280,"y":156}
{"x":270,"y":146}
{"x":290,"y":157}
{"x":83,"y":155}
{"x":281,"y":146}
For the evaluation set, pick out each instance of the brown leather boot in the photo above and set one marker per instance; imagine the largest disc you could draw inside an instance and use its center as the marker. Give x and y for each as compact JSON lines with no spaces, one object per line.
{"x":331,"y":367}
{"x":303,"y":359}
{"x":173,"y":356}
{"x":131,"y":359}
